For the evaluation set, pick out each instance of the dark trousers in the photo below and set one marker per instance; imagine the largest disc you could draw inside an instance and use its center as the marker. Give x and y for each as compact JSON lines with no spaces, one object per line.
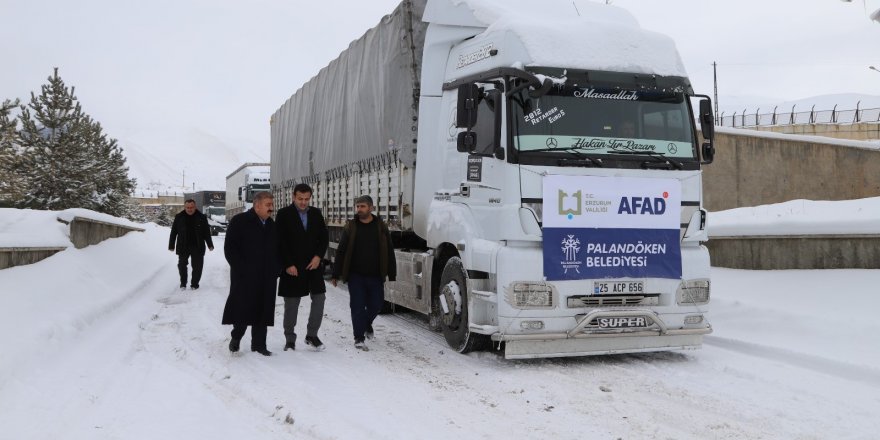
{"x":198,"y":262}
{"x":366,"y":294}
{"x":258,"y":335}
{"x":291,"y":310}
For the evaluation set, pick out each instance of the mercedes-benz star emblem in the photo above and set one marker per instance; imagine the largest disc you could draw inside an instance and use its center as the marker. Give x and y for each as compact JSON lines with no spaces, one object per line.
{"x":551,"y":143}
{"x":672,"y":148}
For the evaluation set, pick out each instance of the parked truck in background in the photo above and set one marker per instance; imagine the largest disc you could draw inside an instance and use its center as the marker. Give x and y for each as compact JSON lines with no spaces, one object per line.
{"x":242,"y":184}
{"x":539,"y":167}
{"x":213,"y":205}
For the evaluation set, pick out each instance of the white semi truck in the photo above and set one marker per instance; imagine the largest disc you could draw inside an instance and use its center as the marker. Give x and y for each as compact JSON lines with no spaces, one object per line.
{"x":242,"y":184}
{"x":537,"y":163}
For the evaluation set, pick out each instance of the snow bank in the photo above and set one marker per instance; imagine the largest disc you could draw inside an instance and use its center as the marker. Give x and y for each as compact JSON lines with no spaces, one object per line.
{"x":31,"y":228}
{"x":52,"y":300}
{"x":799,"y":217}
{"x":35,"y":228}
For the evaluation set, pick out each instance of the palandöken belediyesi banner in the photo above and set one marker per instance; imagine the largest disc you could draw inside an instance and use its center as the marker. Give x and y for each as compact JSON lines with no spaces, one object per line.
{"x":611,"y":227}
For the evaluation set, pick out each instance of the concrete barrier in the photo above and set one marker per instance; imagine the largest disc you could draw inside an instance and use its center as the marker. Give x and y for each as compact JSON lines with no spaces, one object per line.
{"x":18,"y":256}
{"x":754,"y":168}
{"x":83,"y":232}
{"x":796,"y":252}
{"x":86,"y":231}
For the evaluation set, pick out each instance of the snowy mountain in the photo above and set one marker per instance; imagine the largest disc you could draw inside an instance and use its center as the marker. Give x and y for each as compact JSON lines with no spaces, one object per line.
{"x":170,"y":159}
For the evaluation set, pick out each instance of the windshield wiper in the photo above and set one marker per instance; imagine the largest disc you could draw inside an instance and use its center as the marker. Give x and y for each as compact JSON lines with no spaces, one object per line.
{"x":656,"y":155}
{"x":580,"y":160}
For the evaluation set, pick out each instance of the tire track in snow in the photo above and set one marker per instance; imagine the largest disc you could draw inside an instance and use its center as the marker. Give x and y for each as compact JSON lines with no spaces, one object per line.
{"x":815,"y":363}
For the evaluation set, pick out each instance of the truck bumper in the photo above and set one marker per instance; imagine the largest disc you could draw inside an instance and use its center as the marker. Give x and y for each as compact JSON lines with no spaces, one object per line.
{"x":586,"y":344}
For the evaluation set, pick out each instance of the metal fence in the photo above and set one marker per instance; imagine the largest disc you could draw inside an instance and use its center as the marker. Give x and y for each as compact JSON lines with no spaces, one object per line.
{"x":813,"y":116}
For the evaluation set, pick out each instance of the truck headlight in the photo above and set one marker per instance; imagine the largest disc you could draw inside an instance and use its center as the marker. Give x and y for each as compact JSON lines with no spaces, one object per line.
{"x":693,"y":292}
{"x":527,"y":295}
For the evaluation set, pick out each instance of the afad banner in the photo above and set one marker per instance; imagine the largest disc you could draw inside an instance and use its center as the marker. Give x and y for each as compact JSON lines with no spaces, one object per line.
{"x":611,"y":227}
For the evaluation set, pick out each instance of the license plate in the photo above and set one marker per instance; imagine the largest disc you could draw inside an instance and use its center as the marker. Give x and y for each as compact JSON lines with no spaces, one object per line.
{"x":615,"y":287}
{"x":622,"y":322}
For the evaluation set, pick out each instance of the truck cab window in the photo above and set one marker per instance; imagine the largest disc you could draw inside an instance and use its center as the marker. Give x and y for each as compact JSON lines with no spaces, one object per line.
{"x":487,"y":127}
{"x":665,"y":124}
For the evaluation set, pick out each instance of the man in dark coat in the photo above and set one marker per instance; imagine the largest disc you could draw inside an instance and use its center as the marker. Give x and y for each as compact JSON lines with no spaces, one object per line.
{"x":364,"y":259}
{"x":303,"y":241}
{"x":191,"y":230}
{"x":251,"y":249}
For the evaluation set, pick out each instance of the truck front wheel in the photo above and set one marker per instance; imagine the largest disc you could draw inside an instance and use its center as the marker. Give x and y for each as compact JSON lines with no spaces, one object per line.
{"x":453,"y":302}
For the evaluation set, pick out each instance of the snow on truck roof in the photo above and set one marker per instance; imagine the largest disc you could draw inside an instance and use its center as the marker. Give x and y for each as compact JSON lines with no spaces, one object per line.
{"x":610,"y":37}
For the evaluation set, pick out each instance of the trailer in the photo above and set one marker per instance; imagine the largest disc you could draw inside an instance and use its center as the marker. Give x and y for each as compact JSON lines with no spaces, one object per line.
{"x":539,"y":165}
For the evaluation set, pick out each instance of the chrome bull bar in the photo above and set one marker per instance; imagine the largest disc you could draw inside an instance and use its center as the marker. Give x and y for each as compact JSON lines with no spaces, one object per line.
{"x":577,"y":332}
{"x":589,"y":317}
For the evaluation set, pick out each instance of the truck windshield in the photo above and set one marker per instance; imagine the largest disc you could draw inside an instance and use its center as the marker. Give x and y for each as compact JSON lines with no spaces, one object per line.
{"x":597,"y":122}
{"x":254,"y":189}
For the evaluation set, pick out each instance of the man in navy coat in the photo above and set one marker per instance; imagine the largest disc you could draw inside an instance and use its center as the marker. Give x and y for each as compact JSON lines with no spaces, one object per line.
{"x":251,"y":248}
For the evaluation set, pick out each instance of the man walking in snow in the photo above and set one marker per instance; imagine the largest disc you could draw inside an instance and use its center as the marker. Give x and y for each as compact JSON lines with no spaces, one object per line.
{"x":251,"y":249}
{"x":303,"y":241}
{"x":192,"y":233}
{"x":364,"y":259}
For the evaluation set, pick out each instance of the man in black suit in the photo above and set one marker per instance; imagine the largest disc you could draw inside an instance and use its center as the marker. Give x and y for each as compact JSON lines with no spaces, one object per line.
{"x":191,"y":231}
{"x":303,"y":240}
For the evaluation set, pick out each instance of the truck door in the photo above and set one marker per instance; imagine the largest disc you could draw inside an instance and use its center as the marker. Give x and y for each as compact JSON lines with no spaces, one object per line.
{"x":479,"y":113}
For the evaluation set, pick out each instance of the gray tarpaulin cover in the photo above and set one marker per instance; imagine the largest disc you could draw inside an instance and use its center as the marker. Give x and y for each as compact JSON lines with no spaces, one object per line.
{"x":364,"y":103}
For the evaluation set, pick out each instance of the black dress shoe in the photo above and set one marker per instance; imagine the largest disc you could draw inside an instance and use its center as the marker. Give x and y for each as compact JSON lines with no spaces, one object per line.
{"x":234,"y":345}
{"x":290,"y":346}
{"x":262,"y":351}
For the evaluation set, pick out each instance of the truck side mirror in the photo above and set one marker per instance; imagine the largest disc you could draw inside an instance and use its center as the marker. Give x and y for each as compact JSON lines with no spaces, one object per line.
{"x":708,"y":153}
{"x":468,"y":101}
{"x":489,"y":130}
{"x":707,"y":126}
{"x":239,"y":193}
{"x":707,"y":121}
{"x":467,"y":142}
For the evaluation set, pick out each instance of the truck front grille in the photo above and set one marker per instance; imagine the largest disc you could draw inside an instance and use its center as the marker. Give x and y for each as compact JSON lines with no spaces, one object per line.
{"x":613,"y":301}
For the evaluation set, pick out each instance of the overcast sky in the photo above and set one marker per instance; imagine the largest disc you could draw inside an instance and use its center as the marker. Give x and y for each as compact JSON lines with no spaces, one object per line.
{"x":225,"y":66}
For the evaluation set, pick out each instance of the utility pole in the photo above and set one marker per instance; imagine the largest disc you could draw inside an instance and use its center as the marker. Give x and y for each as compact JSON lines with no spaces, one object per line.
{"x":715,"y":80}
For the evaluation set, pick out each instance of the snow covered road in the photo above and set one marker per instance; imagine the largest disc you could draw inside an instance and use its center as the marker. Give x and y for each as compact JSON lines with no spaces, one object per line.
{"x":150,"y":361}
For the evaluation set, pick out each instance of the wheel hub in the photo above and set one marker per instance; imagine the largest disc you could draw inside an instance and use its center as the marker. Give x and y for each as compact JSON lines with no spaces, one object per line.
{"x":452,"y":297}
